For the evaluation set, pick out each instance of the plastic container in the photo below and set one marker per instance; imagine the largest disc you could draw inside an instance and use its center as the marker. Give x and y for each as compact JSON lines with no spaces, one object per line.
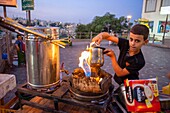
{"x":4,"y":56}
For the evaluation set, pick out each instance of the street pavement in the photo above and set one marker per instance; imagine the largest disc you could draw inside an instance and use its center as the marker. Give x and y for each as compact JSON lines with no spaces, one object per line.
{"x":157,"y":62}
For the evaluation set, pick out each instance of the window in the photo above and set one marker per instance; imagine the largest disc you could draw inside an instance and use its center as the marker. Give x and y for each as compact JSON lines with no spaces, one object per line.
{"x":165,"y":3}
{"x":161,"y":27}
{"x":150,"y":6}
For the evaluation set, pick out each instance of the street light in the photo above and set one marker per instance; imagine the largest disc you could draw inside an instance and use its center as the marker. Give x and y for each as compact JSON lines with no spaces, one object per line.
{"x":165,"y":11}
{"x":128,"y":20}
{"x":129,"y":17}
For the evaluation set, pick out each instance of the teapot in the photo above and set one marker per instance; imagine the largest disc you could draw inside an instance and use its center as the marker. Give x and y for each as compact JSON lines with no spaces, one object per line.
{"x":96,"y":56}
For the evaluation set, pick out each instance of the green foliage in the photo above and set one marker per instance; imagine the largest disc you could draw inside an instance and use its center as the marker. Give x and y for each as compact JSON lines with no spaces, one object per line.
{"x":81,"y":28}
{"x":108,"y":22}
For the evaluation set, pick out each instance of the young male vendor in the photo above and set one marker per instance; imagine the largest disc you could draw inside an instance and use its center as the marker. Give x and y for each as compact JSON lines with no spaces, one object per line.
{"x":131,"y":58}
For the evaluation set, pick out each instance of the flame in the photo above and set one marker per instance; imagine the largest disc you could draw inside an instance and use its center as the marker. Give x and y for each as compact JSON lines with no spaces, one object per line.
{"x":98,"y":79}
{"x":83,"y":63}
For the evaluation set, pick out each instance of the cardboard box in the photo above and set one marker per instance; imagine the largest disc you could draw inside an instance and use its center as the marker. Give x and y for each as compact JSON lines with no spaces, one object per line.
{"x":7,"y":83}
{"x":142,"y":95}
{"x":166,"y":89}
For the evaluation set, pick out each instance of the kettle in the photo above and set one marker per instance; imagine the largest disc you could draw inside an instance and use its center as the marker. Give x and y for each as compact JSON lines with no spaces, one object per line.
{"x":96,"y":56}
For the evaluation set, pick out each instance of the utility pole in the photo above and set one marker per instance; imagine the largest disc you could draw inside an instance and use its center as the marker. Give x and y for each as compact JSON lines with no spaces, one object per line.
{"x":128,"y":20}
{"x":165,"y":11}
{"x":5,"y":15}
{"x":28,"y":16}
{"x":163,"y":38}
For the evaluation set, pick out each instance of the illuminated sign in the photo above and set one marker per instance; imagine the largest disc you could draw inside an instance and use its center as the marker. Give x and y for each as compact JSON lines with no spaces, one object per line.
{"x":165,"y":10}
{"x":11,"y":3}
{"x":27,"y":5}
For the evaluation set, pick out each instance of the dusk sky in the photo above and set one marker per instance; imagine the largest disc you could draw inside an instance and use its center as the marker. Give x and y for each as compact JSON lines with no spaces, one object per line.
{"x":76,"y":11}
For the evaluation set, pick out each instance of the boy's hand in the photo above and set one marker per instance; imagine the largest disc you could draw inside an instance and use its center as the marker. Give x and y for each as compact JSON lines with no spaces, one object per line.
{"x":109,"y":52}
{"x":97,"y":39}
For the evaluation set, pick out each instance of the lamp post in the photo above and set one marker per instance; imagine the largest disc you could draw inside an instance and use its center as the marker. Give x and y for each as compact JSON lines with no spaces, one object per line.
{"x":163,"y":38}
{"x":165,"y":11}
{"x":129,"y":17}
{"x":108,"y":27}
{"x":128,"y":20}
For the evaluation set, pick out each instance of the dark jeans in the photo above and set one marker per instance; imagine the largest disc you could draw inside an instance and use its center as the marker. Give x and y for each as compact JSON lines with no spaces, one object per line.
{"x":21,"y":57}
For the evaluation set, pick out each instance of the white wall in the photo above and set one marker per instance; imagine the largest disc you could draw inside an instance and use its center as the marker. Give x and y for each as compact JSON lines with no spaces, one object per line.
{"x":156,"y":17}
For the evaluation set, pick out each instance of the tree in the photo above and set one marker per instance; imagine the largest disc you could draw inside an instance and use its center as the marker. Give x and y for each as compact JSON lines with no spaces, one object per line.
{"x":82,"y":29}
{"x":107,"y":22}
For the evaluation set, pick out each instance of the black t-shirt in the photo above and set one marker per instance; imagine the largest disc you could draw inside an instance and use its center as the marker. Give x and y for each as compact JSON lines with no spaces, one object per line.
{"x":136,"y":62}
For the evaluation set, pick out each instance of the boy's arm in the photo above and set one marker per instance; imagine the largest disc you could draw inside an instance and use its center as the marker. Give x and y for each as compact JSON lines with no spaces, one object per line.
{"x":109,"y":37}
{"x":106,"y":36}
{"x":118,"y":70}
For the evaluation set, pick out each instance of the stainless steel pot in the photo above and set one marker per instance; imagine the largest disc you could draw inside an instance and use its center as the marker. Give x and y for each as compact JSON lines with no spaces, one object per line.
{"x":96,"y":57}
{"x":43,"y":62}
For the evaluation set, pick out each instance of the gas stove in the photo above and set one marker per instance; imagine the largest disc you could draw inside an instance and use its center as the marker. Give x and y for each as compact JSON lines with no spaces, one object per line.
{"x":65,"y":95}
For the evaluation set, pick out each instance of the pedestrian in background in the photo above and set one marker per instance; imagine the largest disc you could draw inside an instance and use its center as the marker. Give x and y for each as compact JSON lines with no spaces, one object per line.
{"x":112,"y":34}
{"x":20,"y":46}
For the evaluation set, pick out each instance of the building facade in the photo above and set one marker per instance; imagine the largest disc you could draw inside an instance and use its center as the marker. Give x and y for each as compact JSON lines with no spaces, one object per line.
{"x":151,"y":11}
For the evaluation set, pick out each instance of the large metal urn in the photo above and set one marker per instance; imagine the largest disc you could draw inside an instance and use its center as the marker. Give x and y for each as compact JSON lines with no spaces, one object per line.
{"x":43,"y":62}
{"x":42,"y":53}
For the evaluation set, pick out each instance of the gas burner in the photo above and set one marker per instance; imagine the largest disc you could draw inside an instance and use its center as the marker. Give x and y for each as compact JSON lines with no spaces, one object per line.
{"x":92,"y":89}
{"x":42,"y":89}
{"x":64,"y":95}
{"x":91,"y":98}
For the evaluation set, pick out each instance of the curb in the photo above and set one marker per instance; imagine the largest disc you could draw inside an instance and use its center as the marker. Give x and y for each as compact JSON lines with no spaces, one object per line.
{"x":149,"y":44}
{"x":159,"y":45}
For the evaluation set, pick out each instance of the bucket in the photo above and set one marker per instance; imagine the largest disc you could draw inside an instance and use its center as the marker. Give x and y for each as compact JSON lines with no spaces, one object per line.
{"x":4,"y":56}
{"x":43,"y":62}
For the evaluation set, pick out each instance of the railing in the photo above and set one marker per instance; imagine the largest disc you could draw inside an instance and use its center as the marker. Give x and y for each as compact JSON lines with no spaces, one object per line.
{"x":85,"y":35}
{"x":158,"y":39}
{"x":154,"y":39}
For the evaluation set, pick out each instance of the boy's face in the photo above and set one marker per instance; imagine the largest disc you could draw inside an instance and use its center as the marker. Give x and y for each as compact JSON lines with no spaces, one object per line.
{"x":136,"y":42}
